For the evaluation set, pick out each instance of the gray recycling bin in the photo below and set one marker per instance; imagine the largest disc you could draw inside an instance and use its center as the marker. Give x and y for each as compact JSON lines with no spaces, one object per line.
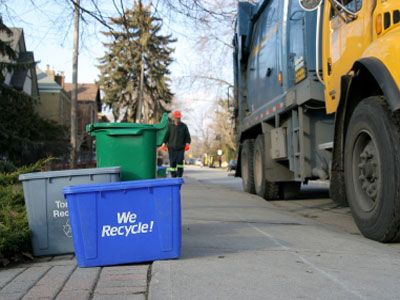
{"x":47,"y":209}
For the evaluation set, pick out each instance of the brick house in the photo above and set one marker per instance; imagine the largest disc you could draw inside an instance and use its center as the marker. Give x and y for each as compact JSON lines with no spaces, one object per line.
{"x":89,"y":105}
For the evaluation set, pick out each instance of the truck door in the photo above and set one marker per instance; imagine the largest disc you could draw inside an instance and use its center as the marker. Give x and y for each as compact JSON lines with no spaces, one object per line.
{"x":344,"y":41}
{"x":270,"y":61}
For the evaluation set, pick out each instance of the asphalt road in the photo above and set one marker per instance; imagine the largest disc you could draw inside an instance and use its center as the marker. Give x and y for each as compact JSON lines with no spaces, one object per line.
{"x":239,"y":246}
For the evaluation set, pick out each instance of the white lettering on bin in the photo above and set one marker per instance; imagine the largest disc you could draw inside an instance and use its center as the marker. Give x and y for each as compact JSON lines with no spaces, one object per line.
{"x":61,"y":211}
{"x":106,"y":231}
{"x":126,"y":217}
{"x":139,"y":228}
{"x":128,"y":226}
{"x":145,"y":227}
{"x":61,"y":204}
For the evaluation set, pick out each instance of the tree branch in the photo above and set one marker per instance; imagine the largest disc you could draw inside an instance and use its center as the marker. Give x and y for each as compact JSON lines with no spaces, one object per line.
{"x":209,"y":78}
{"x":98,"y":18}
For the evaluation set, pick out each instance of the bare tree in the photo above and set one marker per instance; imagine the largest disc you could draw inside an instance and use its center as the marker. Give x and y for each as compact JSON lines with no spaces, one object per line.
{"x":223,"y":129}
{"x":85,"y":14}
{"x":208,"y":26}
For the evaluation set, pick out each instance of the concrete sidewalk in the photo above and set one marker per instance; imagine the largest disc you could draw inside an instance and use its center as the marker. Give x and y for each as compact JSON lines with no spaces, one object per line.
{"x":235,"y":246}
{"x":238,"y":246}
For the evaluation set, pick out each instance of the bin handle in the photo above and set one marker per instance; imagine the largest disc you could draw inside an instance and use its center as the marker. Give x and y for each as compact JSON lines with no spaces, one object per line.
{"x":122,"y":132}
{"x":162,"y":129}
{"x":163,"y":123}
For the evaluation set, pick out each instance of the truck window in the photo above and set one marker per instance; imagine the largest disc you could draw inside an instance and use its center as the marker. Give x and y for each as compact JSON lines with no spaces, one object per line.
{"x":352,"y":5}
{"x":296,"y":43}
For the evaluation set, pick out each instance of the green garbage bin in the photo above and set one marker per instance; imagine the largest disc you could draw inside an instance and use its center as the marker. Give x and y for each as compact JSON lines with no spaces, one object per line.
{"x":161,"y":172}
{"x":132,"y":146}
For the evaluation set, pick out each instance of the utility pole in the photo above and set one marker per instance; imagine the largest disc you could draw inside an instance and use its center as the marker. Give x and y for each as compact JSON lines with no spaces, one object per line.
{"x":141,"y":83}
{"x":141,"y":91}
{"x":74,"y":92}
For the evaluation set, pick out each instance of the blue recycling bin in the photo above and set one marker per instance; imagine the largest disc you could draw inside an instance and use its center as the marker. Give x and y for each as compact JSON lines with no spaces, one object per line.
{"x":125,"y":222}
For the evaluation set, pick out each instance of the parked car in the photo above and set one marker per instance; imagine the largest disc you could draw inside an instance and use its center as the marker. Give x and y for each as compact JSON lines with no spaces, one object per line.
{"x":198,"y":163}
{"x":190,"y":161}
{"x":232,"y":165}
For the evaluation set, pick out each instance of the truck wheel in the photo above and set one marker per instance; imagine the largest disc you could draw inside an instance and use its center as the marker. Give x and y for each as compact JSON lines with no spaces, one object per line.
{"x":372,"y":170}
{"x":266,"y":189}
{"x":247,"y":166}
{"x":336,"y":190}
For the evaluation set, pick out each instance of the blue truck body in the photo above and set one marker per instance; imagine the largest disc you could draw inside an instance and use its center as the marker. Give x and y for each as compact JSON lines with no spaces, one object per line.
{"x":286,"y":134}
{"x":277,"y":94}
{"x":271,"y":39}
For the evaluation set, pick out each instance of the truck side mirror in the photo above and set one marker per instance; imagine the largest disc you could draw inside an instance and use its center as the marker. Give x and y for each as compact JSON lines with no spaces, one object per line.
{"x":310,"y":5}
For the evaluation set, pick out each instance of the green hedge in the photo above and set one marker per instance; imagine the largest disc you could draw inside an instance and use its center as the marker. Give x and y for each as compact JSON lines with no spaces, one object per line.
{"x":15,"y":243}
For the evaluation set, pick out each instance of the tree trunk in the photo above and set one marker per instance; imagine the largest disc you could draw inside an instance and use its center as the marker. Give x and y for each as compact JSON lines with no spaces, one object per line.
{"x":74,"y":92}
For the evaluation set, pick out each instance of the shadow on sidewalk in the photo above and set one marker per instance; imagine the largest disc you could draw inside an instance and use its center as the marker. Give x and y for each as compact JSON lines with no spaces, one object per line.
{"x":205,"y":238}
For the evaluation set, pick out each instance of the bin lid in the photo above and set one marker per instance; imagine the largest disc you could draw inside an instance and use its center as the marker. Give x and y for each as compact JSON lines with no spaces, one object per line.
{"x":123,"y":185}
{"x":69,"y":173}
{"x":102,"y":125}
{"x":131,"y":129}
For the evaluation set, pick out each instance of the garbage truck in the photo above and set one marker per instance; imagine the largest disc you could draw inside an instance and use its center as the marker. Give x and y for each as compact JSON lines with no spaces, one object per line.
{"x":317,"y":98}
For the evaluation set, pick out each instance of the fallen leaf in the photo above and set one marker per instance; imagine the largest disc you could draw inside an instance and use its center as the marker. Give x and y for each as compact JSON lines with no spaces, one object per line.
{"x":28,"y":255}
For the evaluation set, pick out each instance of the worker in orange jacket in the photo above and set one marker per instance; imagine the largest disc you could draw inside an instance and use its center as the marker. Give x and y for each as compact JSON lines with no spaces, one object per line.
{"x":177,"y":141}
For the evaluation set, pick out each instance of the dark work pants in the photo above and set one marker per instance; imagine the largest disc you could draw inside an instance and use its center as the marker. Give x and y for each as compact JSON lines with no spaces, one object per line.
{"x":176,"y":158}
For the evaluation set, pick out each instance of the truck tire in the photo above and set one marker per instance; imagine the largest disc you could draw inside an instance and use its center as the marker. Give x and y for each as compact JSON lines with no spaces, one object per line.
{"x":372,"y":169}
{"x":336,"y":189}
{"x":247,"y":166}
{"x":264,"y":188}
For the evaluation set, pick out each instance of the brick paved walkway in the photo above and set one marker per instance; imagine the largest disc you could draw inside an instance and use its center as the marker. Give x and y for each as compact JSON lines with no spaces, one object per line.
{"x":60,"y":278}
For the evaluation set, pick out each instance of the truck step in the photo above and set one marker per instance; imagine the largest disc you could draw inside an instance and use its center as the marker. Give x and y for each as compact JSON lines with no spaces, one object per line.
{"x":326,"y":146}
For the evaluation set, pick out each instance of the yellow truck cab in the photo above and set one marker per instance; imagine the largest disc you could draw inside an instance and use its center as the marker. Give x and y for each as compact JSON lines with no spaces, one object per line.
{"x":361,"y":77}
{"x":317,"y":96}
{"x":369,"y":39}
